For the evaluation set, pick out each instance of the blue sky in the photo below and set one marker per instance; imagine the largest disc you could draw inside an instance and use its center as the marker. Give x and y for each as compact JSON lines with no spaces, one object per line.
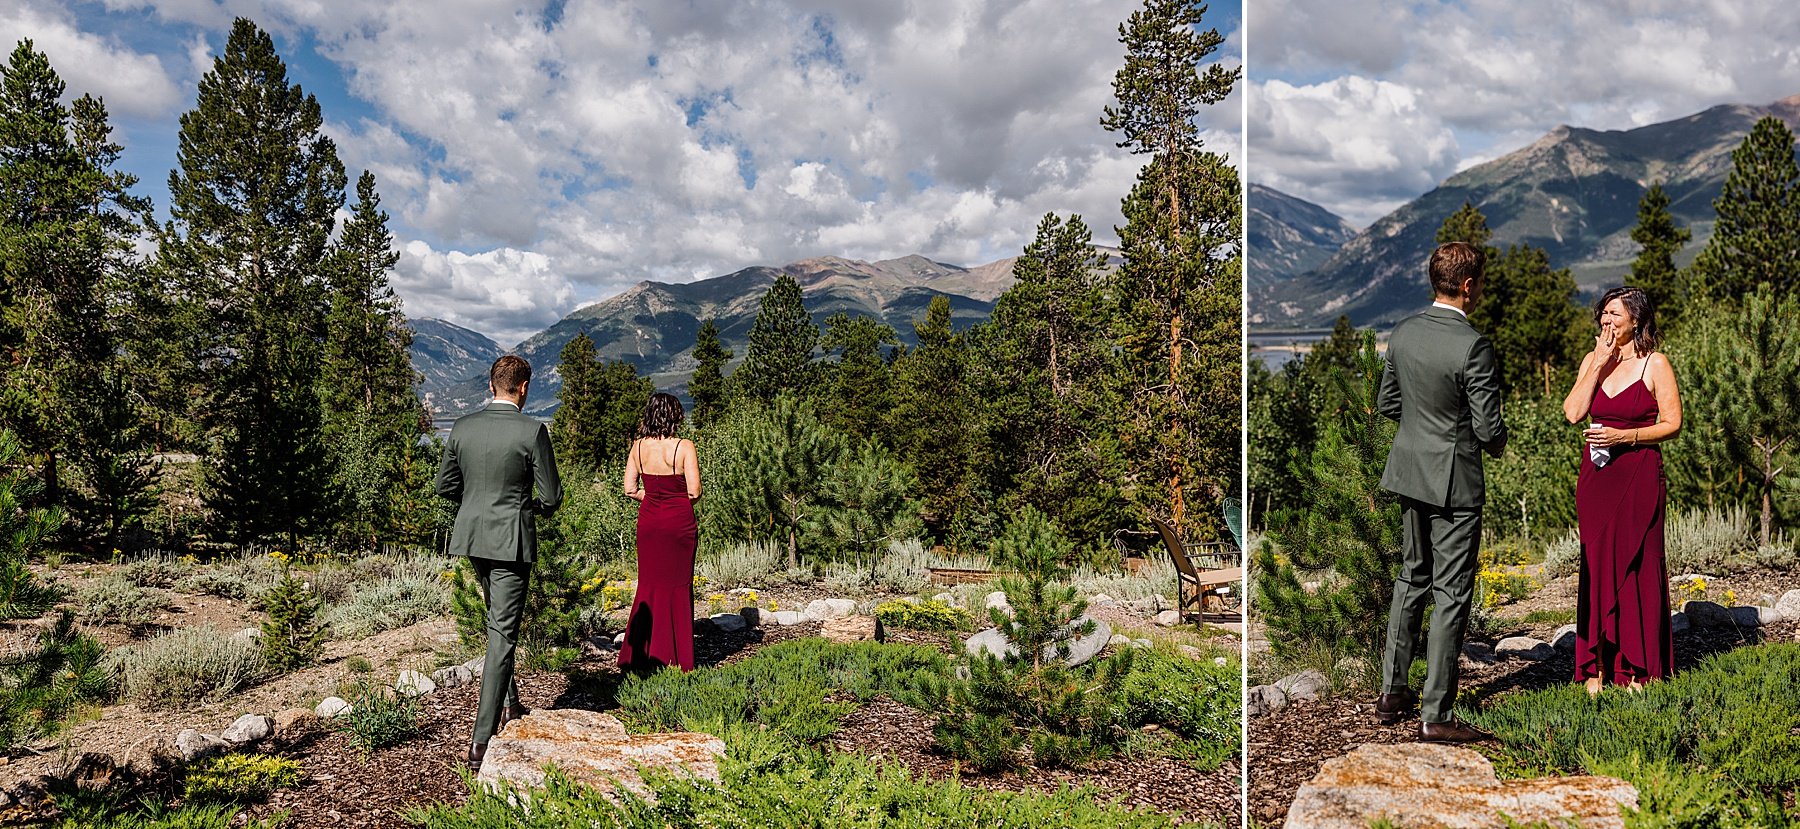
{"x":1362,"y":105}
{"x":539,"y":157}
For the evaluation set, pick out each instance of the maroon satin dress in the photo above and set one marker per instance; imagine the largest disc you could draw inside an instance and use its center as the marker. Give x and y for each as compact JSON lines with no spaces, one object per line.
{"x":661,"y":629}
{"x":1622,"y":620}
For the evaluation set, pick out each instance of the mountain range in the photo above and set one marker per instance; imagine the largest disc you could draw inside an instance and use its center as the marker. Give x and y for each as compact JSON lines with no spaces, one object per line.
{"x":652,"y":325}
{"x":1289,"y":236}
{"x":1573,"y":192}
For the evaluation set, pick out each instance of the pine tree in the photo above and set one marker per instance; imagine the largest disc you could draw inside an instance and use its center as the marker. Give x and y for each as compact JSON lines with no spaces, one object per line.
{"x":933,"y":416}
{"x":576,"y":425}
{"x":372,"y":417}
{"x":1345,"y":527}
{"x":1757,"y":237}
{"x":252,"y":209}
{"x":1049,"y":388}
{"x":780,"y":466}
{"x":1738,"y":363}
{"x":1467,"y":225}
{"x":1533,"y":320}
{"x":707,"y":388}
{"x":859,"y":384}
{"x":779,"y":356}
{"x":1180,"y":283}
{"x":292,"y":636}
{"x":869,"y":506}
{"x":1654,"y":268}
{"x":24,"y":530}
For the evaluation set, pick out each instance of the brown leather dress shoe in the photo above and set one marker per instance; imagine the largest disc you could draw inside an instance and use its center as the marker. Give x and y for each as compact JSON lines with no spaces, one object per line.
{"x":509,"y":713}
{"x":1391,"y":708}
{"x":477,"y":753}
{"x":1452,"y":730}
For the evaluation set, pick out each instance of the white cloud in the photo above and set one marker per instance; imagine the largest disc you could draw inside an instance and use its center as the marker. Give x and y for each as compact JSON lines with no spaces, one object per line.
{"x":507,"y":294}
{"x":1362,"y":146}
{"x":130,"y":82}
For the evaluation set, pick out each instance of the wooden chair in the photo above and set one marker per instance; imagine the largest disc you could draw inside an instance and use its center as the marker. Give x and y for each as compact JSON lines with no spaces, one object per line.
{"x":1194,"y":585}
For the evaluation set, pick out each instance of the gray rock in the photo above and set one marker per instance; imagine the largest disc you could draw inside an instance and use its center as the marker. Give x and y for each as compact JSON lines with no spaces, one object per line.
{"x":193,"y":745}
{"x":1141,"y":644}
{"x":1263,"y":700}
{"x":294,"y":723}
{"x":991,"y":642}
{"x":1678,"y":622}
{"x":1789,"y":605}
{"x":785,"y":618}
{"x":619,"y":638}
{"x":728,"y":622}
{"x":1306,"y":685}
{"x":250,"y":728}
{"x":1084,"y":648}
{"x":946,"y":598}
{"x":414,"y":684}
{"x":1770,"y":616}
{"x":1747,"y":617}
{"x":1119,"y":640}
{"x":1169,"y":618}
{"x":476,"y":665}
{"x":1102,"y":599}
{"x":332,"y":707}
{"x":1525,"y":647}
{"x":1703,"y":614}
{"x":452,"y":676}
{"x":1564,"y":640}
{"x":751,"y":615}
{"x":820,"y":610}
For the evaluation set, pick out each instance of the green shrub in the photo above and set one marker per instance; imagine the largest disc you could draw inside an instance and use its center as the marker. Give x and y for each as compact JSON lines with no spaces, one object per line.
{"x":906,"y":568}
{"x":40,"y":688}
{"x":245,"y":578}
{"x":1199,"y":700}
{"x":394,"y":602}
{"x":564,"y":589}
{"x":185,"y":666}
{"x":23,"y":533}
{"x":745,"y":564}
{"x":116,"y":809}
{"x":292,"y":636}
{"x":235,"y":778}
{"x":358,"y":665}
{"x":379,"y":717}
{"x":784,"y":686}
{"x":113,"y":599}
{"x":162,"y":570}
{"x":907,"y":614}
{"x":1563,"y":556}
{"x":1734,"y":718}
{"x":766,"y":780}
{"x":1157,"y":579}
{"x":1708,"y":541}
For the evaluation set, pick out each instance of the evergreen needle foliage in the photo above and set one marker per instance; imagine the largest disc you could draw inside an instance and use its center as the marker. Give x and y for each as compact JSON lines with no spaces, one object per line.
{"x":293,"y":636}
{"x":23,"y":531}
{"x":556,"y":605}
{"x":41,"y":687}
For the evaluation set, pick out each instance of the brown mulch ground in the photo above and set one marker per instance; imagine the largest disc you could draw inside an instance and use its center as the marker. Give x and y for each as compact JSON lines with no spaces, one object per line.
{"x":1286,"y":748}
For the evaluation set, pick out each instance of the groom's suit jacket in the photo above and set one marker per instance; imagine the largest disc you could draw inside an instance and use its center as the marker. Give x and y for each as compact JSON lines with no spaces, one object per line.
{"x":491,"y":463}
{"x":1441,"y":380}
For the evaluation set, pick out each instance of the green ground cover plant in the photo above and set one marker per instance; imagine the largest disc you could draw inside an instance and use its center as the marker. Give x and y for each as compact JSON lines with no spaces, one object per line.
{"x":1712,"y":746}
{"x":910,"y":615}
{"x":378,"y":716}
{"x":770,"y":780}
{"x":238,"y":778}
{"x":185,"y":666}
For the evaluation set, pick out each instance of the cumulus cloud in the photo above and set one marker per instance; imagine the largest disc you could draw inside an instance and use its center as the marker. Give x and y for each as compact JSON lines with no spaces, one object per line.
{"x":130,"y":82}
{"x":1500,"y":74}
{"x":505,"y":293}
{"x":1362,"y":146}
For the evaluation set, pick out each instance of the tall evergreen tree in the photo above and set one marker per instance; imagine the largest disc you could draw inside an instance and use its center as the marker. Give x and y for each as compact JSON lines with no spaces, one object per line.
{"x":1180,"y":283}
{"x":1654,"y":268}
{"x":66,"y":239}
{"x":707,"y":388}
{"x":253,"y":205}
{"x":1757,"y":238}
{"x":1467,"y":225}
{"x":779,"y":357}
{"x":1049,"y":387}
{"x":1533,"y":320}
{"x":932,"y":418}
{"x":859,"y":384}
{"x":372,"y":417}
{"x":599,"y":406}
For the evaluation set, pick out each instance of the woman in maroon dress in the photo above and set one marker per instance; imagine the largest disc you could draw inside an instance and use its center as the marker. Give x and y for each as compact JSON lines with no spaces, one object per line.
{"x":1626,"y":389}
{"x":664,"y":476}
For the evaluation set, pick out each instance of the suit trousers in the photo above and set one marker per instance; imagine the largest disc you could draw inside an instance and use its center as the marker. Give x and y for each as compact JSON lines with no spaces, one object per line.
{"x":1440,"y":557}
{"x":504,"y":584}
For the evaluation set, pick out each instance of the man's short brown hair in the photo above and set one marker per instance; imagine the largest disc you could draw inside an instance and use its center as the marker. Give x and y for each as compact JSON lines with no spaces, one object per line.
{"x":509,"y":374}
{"x":1452,"y":263}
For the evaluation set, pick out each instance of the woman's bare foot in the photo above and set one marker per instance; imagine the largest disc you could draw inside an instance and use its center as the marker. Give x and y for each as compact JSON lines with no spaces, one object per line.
{"x":1634,"y":685}
{"x":1593,"y":686}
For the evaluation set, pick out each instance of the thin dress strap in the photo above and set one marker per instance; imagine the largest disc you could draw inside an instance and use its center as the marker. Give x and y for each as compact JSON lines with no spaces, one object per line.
{"x":672,"y":456}
{"x":1645,"y":368}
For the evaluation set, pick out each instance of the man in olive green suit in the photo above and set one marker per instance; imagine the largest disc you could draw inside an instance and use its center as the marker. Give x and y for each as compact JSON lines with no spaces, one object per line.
{"x":1442,"y":382}
{"x":491,"y":463}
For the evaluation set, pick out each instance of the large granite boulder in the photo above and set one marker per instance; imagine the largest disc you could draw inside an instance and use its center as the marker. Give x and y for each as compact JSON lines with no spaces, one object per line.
{"x":1419,"y":785}
{"x":592,"y":748}
{"x":852,"y":629}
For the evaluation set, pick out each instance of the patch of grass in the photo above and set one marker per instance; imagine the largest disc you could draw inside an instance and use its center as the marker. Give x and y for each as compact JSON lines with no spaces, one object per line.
{"x":1199,"y":701}
{"x":114,"y":599}
{"x":1156,"y":579}
{"x":185,"y":666}
{"x":784,"y":686}
{"x":1559,"y":617}
{"x":245,"y":578}
{"x":358,"y":664}
{"x":379,"y":717}
{"x":238,"y":778}
{"x":768,"y":780}
{"x":1724,"y":735}
{"x":905,"y":568}
{"x":1708,"y":541}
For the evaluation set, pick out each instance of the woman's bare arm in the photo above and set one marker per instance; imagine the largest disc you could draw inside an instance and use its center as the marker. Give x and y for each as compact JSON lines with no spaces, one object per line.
{"x":690,"y":470}
{"x":633,"y":479}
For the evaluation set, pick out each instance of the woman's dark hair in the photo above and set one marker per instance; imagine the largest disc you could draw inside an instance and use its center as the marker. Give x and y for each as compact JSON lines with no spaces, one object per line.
{"x":1637,"y":304}
{"x":662,"y":416}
